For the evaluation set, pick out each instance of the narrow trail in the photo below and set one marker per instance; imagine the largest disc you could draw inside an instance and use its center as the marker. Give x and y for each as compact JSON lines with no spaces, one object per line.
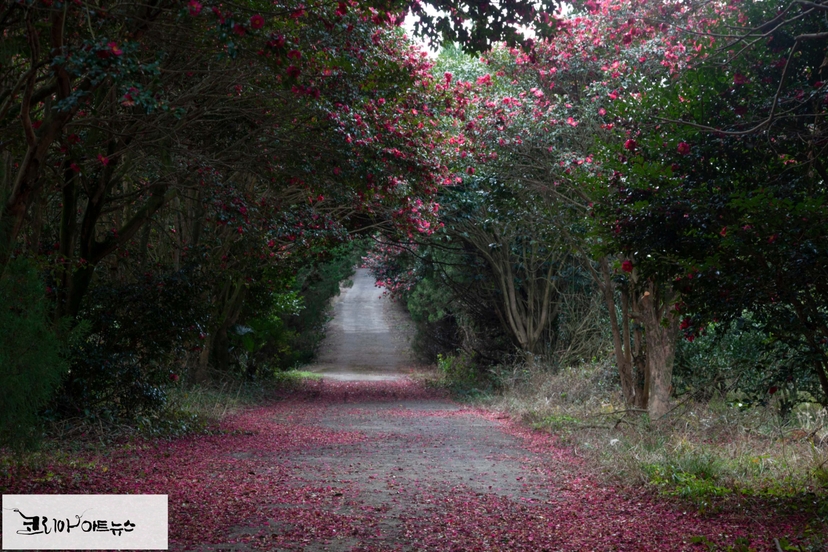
{"x":365,"y":341}
{"x":368,"y":460}
{"x":395,"y":466}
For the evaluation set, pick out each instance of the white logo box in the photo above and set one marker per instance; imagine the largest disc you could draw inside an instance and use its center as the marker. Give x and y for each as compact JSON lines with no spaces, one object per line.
{"x":85,"y":522}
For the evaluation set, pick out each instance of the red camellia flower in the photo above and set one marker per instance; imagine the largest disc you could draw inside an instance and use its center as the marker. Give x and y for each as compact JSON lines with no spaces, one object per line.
{"x":739,"y":78}
{"x":630,"y":144}
{"x":294,"y":54}
{"x":627,"y":266}
{"x":238,"y":28}
{"x":342,"y":9}
{"x":723,"y":232}
{"x":194,"y":7}
{"x":173,"y":377}
{"x":684,"y":324}
{"x":683,"y":148}
{"x":773,"y":389}
{"x":256,"y":22}
{"x":113,"y":47}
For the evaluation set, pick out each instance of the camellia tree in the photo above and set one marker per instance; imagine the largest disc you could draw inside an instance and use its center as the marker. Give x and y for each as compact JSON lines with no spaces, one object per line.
{"x":586,"y":135}
{"x":563,"y":136}
{"x":144,"y":141}
{"x":736,"y":208}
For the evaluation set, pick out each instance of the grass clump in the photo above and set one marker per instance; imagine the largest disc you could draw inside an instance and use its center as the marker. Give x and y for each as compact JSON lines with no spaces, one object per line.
{"x":705,"y":451}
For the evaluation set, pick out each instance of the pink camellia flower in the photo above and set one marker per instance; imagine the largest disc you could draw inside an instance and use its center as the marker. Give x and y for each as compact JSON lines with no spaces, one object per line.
{"x":630,"y":144}
{"x":739,"y":78}
{"x":470,"y":170}
{"x":104,"y":160}
{"x":294,"y":54}
{"x":256,"y":22}
{"x":683,"y":148}
{"x":173,"y":377}
{"x":194,"y":7}
{"x":447,"y":76}
{"x":293,"y":72}
{"x":113,"y":47}
{"x":723,"y":232}
{"x":627,"y":266}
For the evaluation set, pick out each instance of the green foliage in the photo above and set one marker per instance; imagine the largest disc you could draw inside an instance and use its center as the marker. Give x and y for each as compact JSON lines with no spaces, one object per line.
{"x":690,"y":474}
{"x":557,"y":422}
{"x":740,"y":360}
{"x":733,"y":220}
{"x":317,"y":284}
{"x":138,"y":333}
{"x":263,"y":340}
{"x":298,"y":333}
{"x":32,"y":359}
{"x":457,"y":369}
{"x":463,"y":376}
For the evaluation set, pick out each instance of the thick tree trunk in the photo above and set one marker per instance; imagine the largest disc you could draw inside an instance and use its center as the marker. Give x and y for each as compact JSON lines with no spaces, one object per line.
{"x":661,"y":333}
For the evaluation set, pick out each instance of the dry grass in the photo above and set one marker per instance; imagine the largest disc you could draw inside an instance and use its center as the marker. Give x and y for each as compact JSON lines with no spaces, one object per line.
{"x":701,"y":451}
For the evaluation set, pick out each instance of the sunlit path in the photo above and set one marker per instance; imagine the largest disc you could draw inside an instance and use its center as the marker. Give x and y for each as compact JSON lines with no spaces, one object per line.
{"x":365,"y":339}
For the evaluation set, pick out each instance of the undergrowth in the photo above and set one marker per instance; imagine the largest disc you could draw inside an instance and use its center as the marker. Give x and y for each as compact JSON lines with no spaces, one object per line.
{"x":189,"y":410}
{"x":712,"y":454}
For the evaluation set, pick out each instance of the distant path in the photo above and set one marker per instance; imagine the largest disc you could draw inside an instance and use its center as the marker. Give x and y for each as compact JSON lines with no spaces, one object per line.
{"x":377,"y":462}
{"x":365,"y":340}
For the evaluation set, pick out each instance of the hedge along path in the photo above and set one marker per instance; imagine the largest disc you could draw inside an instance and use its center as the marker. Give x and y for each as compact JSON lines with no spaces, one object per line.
{"x":381,"y":464}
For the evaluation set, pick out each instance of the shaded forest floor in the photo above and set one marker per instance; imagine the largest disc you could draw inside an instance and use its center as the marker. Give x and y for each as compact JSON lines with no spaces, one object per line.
{"x":394,"y":465}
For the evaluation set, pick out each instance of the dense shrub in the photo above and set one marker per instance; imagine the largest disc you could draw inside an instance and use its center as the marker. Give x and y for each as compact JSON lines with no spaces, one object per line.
{"x":32,"y":362}
{"x":139,"y":333}
{"x":283,"y":324}
{"x":742,"y":361}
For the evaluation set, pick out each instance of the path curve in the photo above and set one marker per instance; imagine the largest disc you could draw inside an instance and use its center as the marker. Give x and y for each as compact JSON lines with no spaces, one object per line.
{"x":365,"y":340}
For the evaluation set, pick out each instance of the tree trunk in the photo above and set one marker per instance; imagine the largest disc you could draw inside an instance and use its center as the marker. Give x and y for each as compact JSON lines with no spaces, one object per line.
{"x":216,"y":344}
{"x":661,"y":333}
{"x":819,"y":368}
{"x":622,"y":351}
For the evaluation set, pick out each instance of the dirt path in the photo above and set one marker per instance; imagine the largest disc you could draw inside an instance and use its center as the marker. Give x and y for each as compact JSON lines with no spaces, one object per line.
{"x":376,"y":466}
{"x":365,"y":341}
{"x":371,"y":461}
{"x":366,"y":460}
